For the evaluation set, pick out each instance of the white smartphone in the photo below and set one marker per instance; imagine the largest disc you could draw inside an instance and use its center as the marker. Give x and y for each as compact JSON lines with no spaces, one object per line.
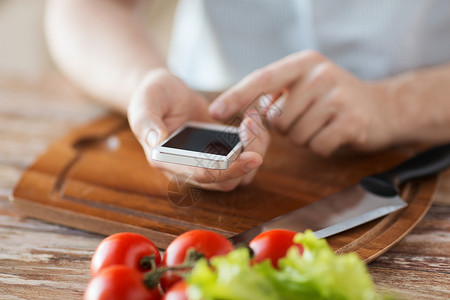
{"x":205,"y":145}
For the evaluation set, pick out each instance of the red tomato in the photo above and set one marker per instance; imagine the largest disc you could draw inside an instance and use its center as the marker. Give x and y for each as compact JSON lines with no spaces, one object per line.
{"x":177,"y":291}
{"x":206,"y":242}
{"x":124,"y":248}
{"x":168,"y":280}
{"x":273,"y":245}
{"x":119,"y":282}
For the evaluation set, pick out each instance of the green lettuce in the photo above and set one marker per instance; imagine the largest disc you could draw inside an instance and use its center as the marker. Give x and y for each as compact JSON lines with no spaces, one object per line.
{"x":229,"y":277}
{"x":316,"y":274}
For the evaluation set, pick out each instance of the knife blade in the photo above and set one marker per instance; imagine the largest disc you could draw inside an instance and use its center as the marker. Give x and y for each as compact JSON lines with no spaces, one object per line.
{"x":375,"y":196}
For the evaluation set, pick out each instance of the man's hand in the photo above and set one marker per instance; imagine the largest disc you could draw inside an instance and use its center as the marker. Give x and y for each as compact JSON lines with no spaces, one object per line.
{"x":315,"y":103}
{"x":162,"y":103}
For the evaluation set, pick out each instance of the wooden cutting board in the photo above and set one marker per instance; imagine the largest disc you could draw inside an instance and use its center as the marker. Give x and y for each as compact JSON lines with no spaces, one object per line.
{"x":97,"y":179}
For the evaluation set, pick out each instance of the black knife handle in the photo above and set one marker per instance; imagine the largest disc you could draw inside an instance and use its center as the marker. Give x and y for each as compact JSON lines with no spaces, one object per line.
{"x":426,"y":163}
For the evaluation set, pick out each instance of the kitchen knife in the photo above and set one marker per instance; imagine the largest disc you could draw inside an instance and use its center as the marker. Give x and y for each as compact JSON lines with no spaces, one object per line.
{"x":375,"y":196}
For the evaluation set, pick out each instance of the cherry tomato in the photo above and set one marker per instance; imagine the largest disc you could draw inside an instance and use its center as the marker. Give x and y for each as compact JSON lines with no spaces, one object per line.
{"x":168,"y":280}
{"x":273,"y":245}
{"x":119,"y":282}
{"x":124,"y":248}
{"x":208,"y":243}
{"x":177,"y":291}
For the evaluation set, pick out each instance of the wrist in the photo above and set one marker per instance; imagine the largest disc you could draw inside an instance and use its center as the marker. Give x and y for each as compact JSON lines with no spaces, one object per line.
{"x":405,"y":108}
{"x":420,"y":102}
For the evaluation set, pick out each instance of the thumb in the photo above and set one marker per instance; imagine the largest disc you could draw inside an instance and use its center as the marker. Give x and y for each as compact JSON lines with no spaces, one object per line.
{"x":149,"y":129}
{"x":156,"y":131}
{"x":254,"y":135}
{"x":146,"y":123}
{"x":256,"y":139}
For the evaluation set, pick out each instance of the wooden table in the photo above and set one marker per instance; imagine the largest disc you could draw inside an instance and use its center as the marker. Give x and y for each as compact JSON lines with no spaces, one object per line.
{"x":45,"y":261}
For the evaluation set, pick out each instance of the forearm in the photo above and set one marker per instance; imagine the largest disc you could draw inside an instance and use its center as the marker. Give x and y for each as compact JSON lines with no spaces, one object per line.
{"x":101,"y":47}
{"x":420,"y":105}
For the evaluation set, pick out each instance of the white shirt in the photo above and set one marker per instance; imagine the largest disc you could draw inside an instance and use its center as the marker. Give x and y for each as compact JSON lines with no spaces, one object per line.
{"x":215,"y":43}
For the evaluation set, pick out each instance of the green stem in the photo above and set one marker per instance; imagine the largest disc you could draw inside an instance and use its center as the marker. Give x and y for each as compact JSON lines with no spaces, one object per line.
{"x":148,"y":262}
{"x":152,"y":278}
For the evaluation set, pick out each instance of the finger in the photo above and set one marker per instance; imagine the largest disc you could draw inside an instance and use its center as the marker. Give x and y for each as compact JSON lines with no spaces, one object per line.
{"x":245,"y":163}
{"x":209,"y":179}
{"x":312,"y":121}
{"x":221,"y":180}
{"x":224,"y":186}
{"x":248,"y":178}
{"x":266,"y":100}
{"x":256,"y":138}
{"x":332,"y":137}
{"x":270,"y":79}
{"x":285,"y":112}
{"x":254,"y":135}
{"x":146,"y":117}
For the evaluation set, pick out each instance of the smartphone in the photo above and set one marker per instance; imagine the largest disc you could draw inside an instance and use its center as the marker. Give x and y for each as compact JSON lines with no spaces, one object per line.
{"x":205,"y":145}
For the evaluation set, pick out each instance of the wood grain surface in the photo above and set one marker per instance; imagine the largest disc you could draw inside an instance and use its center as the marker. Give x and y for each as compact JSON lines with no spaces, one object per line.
{"x":39,"y":260}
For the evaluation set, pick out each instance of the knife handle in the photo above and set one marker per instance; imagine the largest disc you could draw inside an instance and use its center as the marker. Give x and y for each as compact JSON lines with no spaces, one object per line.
{"x":426,"y":163}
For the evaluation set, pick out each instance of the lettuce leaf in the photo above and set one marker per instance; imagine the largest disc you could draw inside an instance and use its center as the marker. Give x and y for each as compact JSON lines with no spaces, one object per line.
{"x":317,"y":274}
{"x":229,"y":277}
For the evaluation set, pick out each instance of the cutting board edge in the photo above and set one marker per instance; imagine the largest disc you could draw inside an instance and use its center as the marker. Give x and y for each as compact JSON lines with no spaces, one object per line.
{"x":398,"y":225}
{"x":32,"y":209}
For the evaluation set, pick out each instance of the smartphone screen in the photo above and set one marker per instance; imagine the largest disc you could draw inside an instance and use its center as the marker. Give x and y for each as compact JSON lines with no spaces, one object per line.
{"x":204,"y":141}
